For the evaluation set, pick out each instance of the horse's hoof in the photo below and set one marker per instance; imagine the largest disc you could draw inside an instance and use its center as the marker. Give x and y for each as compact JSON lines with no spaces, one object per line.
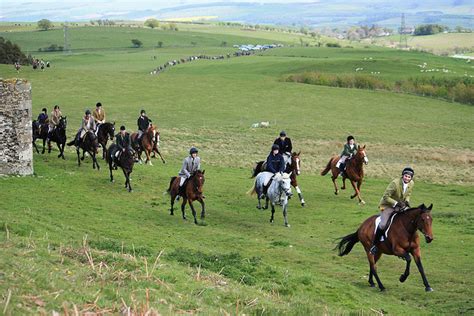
{"x":271,"y":221}
{"x":372,"y":284}
{"x":258,"y":207}
{"x":82,"y":158}
{"x":429,"y":289}
{"x":352,"y":196}
{"x":362,"y":203}
{"x":287,"y":225}
{"x":302,"y":204}
{"x":336,"y":192}
{"x":403,"y":277}
{"x":382,"y":289}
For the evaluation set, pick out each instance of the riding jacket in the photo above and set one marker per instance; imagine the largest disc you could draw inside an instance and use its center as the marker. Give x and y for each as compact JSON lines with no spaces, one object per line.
{"x":348,"y":151}
{"x":190,"y":165}
{"x":123,"y":141}
{"x":275,"y":163}
{"x":285,"y":145}
{"x":394,"y":193}
{"x":99,"y":117}
{"x":54,"y":121}
{"x":143,"y":122}
{"x":42,"y":118}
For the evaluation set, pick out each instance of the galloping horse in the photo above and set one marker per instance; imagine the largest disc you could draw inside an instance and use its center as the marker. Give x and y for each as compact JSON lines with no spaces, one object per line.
{"x":58,"y":135}
{"x":125,"y":162}
{"x":293,"y":169}
{"x":354,"y":171}
{"x":148,"y":144}
{"x":277,"y":193}
{"x":192,"y":192}
{"x":90,"y":145}
{"x":401,"y":240}
{"x":41,"y":132}
{"x":106,"y":130}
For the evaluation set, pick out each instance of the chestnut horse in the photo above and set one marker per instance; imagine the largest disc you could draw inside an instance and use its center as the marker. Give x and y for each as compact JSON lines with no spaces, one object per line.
{"x":401,"y":240}
{"x":293,"y":169}
{"x":192,"y":192}
{"x":149,"y":144}
{"x":354,"y":171}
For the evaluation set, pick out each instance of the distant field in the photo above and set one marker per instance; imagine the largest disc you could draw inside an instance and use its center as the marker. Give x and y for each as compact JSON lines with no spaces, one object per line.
{"x":69,"y":239}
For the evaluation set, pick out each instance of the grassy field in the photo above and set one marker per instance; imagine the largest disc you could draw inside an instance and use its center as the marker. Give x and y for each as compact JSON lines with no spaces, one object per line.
{"x":72,"y":240}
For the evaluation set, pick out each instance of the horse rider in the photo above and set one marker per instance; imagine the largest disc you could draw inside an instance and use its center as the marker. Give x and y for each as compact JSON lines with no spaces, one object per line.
{"x":143,"y":123}
{"x":42,"y":119}
{"x":54,"y":120}
{"x":122,"y":140}
{"x":284,"y":143}
{"x":191,"y":164}
{"x":99,"y":116}
{"x":275,"y":163}
{"x":395,"y":199}
{"x":87,"y":125}
{"x":350,"y":149}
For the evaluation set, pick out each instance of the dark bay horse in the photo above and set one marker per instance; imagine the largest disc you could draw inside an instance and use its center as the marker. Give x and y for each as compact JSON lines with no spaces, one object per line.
{"x":193,"y":191}
{"x":58,"y":135}
{"x":40,"y":131}
{"x":354,"y":172}
{"x":90,"y":145}
{"x":149,"y":144}
{"x":105,"y":132}
{"x":125,"y":161}
{"x":293,"y":169}
{"x":402,"y":240}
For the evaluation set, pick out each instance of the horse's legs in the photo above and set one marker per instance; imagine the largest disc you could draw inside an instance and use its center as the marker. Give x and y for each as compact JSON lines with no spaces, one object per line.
{"x":300,"y":195}
{"x":266,"y":203}
{"x":148,"y":159}
{"x":259,"y":206}
{"x":83,"y":154}
{"x":103,"y":150}
{"x":78,"y":156}
{"x":49,"y":146}
{"x":61,"y":149}
{"x":193,"y":210}
{"x":173,"y":197}
{"x":203,"y":210}
{"x":333,"y":178}
{"x":371,"y":278}
{"x":110,"y":169}
{"x":343,"y":183}
{"x":162,"y":159}
{"x":417,"y":256}
{"x":273,"y":212}
{"x":285,"y":213}
{"x":94,"y":160}
{"x":405,"y":274}
{"x":373,"y":269}
{"x":357,"y":192}
{"x":183,"y":205}
{"x":44,"y":146}
{"x":36,"y":147}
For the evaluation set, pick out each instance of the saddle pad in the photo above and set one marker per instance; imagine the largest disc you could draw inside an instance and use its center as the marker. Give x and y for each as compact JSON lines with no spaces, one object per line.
{"x":377,"y":223}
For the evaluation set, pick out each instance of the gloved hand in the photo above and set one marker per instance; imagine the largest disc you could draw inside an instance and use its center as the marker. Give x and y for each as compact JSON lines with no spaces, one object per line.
{"x":407,"y":204}
{"x":401,"y":205}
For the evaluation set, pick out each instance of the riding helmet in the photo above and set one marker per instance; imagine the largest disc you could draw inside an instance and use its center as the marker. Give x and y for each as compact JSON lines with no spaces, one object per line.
{"x":408,"y":170}
{"x":88,"y":111}
{"x":193,"y":150}
{"x":142,"y":111}
{"x":98,"y":104}
{"x":275,"y":147}
{"x":350,"y":137}
{"x":282,"y":133}
{"x":122,"y":128}
{"x":56,"y":107}
{"x":44,"y":110}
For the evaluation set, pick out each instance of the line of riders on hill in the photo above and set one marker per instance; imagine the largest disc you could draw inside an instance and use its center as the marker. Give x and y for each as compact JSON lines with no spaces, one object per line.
{"x":395,"y":199}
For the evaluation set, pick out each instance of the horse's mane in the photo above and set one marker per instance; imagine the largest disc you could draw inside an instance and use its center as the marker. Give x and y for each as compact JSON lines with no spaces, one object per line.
{"x":422,"y":207}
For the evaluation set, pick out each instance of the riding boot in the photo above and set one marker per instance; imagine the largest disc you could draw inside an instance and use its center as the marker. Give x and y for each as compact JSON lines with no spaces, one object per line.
{"x":378,"y":234}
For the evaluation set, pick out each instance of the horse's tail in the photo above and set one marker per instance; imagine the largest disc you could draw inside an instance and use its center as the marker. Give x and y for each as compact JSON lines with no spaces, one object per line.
{"x":171,"y":184}
{"x":257,"y":169}
{"x":347,"y":243}
{"x":253,"y":190}
{"x":328,"y":167}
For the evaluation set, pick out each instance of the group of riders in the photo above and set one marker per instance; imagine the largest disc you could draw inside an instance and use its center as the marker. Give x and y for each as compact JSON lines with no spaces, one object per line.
{"x":394,"y":200}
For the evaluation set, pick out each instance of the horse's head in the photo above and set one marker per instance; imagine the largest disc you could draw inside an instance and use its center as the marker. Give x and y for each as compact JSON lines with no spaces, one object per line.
{"x":284,"y":182}
{"x":63,"y":122}
{"x":110,"y":130}
{"x":424,"y":222}
{"x":198,"y":180}
{"x":296,"y":162}
{"x":362,"y":155}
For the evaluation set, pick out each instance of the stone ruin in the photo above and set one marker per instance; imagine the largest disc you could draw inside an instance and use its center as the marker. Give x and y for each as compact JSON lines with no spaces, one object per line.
{"x":16,"y":150}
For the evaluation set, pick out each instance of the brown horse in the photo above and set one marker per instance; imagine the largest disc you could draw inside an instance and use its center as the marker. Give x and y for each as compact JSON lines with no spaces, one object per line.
{"x":149,"y":144}
{"x":293,"y":169}
{"x":354,"y":171}
{"x":192,"y":191}
{"x":401,"y":240}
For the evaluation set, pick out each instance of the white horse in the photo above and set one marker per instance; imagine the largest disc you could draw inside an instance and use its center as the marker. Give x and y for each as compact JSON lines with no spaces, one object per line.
{"x":278,"y":192}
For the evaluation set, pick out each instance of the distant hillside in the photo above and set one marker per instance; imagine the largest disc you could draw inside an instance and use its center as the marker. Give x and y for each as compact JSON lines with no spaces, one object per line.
{"x":330,"y":13}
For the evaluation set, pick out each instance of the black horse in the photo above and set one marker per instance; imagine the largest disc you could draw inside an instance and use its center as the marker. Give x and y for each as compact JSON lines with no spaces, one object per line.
{"x":58,"y":135}
{"x":105,"y":131}
{"x":40,"y":131}
{"x":125,"y":161}
{"x":88,"y":144}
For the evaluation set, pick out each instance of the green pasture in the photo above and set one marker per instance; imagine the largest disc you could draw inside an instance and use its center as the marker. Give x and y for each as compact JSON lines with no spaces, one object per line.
{"x":72,"y":240}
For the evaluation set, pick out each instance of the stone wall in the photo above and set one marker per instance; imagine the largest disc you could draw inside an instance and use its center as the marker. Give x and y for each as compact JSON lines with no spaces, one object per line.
{"x":16,"y":151}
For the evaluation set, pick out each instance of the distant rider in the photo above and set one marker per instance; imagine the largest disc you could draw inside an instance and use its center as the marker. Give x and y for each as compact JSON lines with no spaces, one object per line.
{"x":350,"y":149}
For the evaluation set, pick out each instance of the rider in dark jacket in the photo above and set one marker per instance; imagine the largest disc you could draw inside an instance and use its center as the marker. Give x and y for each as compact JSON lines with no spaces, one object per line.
{"x":275,"y":161}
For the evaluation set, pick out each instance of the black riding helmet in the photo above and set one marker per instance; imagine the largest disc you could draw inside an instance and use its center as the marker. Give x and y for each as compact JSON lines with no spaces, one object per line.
{"x":98,"y":104}
{"x":44,"y":110}
{"x":88,"y":112}
{"x":122,"y":128}
{"x":350,"y":137}
{"x":282,"y":134}
{"x":193,"y":150}
{"x":408,"y":170}
{"x":275,"y":147}
{"x":142,"y":112}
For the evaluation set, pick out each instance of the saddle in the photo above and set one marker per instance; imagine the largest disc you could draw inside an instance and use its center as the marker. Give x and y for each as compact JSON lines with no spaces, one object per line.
{"x":385,"y":233}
